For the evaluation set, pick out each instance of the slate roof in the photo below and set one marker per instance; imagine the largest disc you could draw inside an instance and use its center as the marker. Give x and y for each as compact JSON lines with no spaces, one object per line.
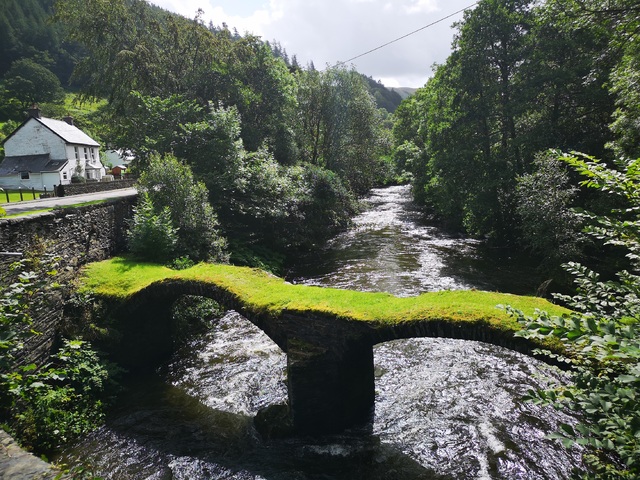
{"x":69,"y":133}
{"x":30,"y":163}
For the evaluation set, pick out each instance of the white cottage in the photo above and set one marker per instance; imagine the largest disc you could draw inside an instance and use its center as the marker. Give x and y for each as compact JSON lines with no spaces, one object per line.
{"x":43,"y":152}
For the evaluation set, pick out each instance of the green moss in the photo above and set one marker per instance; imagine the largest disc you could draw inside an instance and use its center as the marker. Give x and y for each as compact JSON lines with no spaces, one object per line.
{"x":121,"y":278}
{"x":32,"y":212}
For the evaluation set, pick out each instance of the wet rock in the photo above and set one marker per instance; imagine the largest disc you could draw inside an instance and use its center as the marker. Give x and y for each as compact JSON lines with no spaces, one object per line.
{"x":273,"y":422}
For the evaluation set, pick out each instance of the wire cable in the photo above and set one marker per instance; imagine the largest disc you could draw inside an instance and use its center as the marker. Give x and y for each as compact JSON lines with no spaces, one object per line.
{"x":407,"y":35}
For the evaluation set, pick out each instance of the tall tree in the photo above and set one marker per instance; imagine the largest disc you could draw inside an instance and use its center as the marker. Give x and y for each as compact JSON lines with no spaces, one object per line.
{"x":339,"y":125}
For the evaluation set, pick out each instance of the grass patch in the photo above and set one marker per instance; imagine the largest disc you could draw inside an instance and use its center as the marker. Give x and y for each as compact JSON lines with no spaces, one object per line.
{"x":81,"y":204}
{"x":24,"y":214}
{"x":61,"y":207}
{"x":73,"y":105}
{"x":121,"y":278}
{"x":14,"y":196}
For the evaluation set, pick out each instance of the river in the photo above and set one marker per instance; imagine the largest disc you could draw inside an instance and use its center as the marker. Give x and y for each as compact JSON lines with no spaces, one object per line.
{"x":445,"y":409}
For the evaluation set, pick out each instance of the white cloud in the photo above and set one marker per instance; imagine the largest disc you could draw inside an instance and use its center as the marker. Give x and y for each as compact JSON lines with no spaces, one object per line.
{"x":421,"y":6}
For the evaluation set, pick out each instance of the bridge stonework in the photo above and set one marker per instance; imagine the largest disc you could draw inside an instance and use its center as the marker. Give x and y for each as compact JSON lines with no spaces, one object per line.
{"x":330,"y":371}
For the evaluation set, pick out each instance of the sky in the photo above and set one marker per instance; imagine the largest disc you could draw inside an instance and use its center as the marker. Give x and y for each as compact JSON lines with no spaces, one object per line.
{"x":327,"y":32}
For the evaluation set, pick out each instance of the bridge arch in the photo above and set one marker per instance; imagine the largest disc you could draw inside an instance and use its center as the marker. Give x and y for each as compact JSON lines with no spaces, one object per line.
{"x":330,"y":365}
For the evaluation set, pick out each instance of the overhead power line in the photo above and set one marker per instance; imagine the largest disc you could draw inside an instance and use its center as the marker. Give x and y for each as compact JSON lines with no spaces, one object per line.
{"x":407,"y":35}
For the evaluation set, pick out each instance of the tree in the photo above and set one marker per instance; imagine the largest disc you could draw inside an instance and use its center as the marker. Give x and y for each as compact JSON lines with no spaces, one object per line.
{"x":151,"y":235}
{"x":133,"y":46}
{"x":263,"y":91}
{"x":563,"y":81}
{"x":32,"y":83}
{"x":522,"y":78}
{"x":339,"y":126}
{"x":544,"y":198}
{"x":172,"y":191}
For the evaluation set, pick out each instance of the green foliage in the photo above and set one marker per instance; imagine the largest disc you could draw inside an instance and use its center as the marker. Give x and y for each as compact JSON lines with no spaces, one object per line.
{"x":230,"y":108}
{"x":181,"y":263}
{"x":614,"y":24}
{"x":26,"y":31}
{"x":178,"y":200}
{"x":601,"y":336}
{"x":327,"y":206}
{"x":264,"y":94}
{"x":543,"y":200}
{"x":523,"y":77}
{"x":31,"y":83}
{"x":58,"y":402}
{"x":6,"y":129}
{"x":192,"y":313}
{"x":15,"y":316}
{"x":44,"y":406}
{"x":339,"y":126}
{"x":151,"y":235}
{"x":136,"y":48}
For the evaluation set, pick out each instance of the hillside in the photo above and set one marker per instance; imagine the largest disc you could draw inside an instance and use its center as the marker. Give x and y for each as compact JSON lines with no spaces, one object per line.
{"x":27,"y":32}
{"x":404,"y":92}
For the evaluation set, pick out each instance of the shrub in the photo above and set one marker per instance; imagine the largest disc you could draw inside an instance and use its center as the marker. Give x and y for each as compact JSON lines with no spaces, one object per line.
{"x":151,"y":236}
{"x":549,"y":227}
{"x":169,"y":187}
{"x":602,"y":337}
{"x":45,"y":406}
{"x":58,"y":402}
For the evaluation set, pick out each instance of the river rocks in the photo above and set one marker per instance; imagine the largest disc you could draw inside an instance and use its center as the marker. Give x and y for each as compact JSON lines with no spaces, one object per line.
{"x":274,"y":422}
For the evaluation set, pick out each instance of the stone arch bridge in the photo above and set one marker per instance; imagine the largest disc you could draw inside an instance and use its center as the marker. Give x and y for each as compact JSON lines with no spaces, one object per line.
{"x":327,"y":334}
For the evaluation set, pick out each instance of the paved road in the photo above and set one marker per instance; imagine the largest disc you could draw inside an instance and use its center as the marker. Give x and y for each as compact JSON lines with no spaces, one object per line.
{"x":31,"y":205}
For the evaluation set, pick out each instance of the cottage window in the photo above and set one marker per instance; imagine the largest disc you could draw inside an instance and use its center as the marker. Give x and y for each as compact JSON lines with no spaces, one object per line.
{"x":24,"y":175}
{"x":93,"y":154}
{"x":86,"y":153}
{"x":64,"y":176}
{"x":77,"y":153}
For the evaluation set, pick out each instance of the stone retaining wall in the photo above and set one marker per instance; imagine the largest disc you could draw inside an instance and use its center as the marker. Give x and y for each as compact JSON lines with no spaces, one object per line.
{"x":94,"y":187}
{"x":16,"y":464}
{"x":77,"y":236}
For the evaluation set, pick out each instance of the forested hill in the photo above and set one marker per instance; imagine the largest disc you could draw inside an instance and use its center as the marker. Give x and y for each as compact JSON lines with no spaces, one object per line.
{"x":385,"y":98}
{"x":27,"y":31}
{"x":282,"y":151}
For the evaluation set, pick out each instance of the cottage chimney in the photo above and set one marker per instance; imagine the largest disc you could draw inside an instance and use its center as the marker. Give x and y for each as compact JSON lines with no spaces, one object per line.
{"x":68,"y":119}
{"x":34,"y":111}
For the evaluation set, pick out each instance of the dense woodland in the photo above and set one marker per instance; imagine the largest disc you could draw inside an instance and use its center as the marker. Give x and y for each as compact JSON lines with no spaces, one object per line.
{"x":285,"y":150}
{"x":524,"y":77}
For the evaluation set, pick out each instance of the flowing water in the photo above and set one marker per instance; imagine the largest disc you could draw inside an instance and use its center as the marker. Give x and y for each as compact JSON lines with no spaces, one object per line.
{"x":445,"y":409}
